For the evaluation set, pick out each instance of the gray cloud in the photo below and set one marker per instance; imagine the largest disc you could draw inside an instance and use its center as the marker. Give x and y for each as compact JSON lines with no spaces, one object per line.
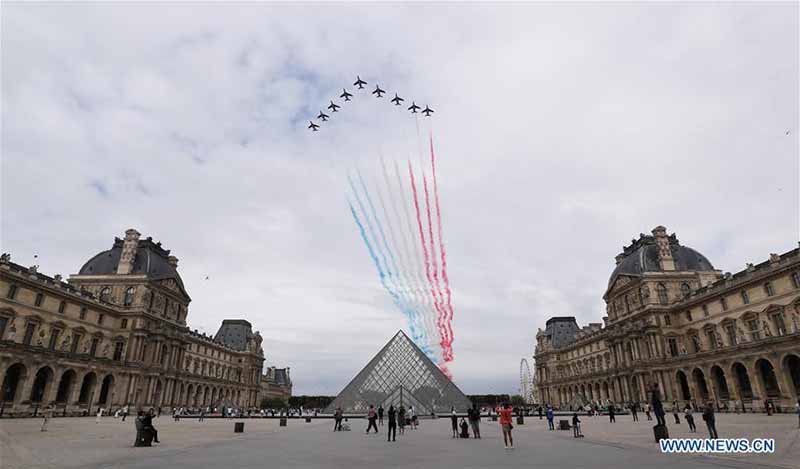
{"x":562,"y":132}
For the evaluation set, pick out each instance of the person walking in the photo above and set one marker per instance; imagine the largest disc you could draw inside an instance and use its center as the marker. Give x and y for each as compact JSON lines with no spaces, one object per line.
{"x":675,"y":412}
{"x":505,"y":412}
{"x":576,"y":426}
{"x":454,"y":421}
{"x":46,"y":416}
{"x":372,"y":416}
{"x":611,"y":417}
{"x":550,"y":417}
{"x":634,"y":411}
{"x":475,"y":421}
{"x":708,"y":416}
{"x":540,"y":412}
{"x":380,"y":414}
{"x":647,"y":411}
{"x":392,"y":432}
{"x":414,"y":421}
{"x":658,"y":406}
{"x":125,"y":412}
{"x":202,"y":415}
{"x":687,"y":414}
{"x":99,"y":414}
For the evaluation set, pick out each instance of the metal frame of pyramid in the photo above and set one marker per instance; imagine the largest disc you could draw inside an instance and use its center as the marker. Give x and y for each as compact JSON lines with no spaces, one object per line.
{"x":401,"y":374}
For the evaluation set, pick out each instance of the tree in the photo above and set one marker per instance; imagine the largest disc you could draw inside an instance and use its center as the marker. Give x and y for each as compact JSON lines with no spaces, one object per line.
{"x":272,"y":403}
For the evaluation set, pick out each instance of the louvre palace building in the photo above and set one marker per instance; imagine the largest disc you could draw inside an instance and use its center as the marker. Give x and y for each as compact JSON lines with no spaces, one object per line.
{"x":115,"y":334}
{"x":672,"y":319}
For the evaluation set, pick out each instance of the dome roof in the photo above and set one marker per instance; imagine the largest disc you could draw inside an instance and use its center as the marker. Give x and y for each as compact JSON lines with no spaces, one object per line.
{"x":151,"y":259}
{"x":642,"y":256}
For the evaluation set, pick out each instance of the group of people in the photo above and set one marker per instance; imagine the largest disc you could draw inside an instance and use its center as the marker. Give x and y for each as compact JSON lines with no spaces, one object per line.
{"x":474,"y":417}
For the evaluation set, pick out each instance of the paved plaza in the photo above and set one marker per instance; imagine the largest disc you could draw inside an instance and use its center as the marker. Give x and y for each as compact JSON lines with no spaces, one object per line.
{"x":80,"y":442}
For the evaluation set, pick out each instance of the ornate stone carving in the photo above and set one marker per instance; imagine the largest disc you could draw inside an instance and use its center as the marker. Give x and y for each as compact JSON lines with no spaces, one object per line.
{"x":5,"y":258}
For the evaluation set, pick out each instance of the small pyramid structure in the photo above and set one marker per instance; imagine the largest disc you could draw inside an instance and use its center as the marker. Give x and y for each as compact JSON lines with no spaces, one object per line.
{"x":401,"y":374}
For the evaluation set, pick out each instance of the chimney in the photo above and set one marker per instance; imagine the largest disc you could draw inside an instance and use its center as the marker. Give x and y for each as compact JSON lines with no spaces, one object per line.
{"x":665,"y":259}
{"x":129,"y":246}
{"x":173,"y":261}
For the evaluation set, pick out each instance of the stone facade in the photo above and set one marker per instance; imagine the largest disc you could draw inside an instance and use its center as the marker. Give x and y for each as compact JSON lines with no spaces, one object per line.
{"x":673,"y":320}
{"x":276,"y":384}
{"x":115,"y":334}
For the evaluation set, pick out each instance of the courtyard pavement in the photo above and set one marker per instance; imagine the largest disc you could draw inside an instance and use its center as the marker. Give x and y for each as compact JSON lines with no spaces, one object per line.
{"x":80,"y":442}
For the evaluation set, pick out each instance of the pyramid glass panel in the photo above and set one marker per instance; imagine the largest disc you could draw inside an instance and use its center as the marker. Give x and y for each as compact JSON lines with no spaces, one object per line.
{"x":401,"y":374}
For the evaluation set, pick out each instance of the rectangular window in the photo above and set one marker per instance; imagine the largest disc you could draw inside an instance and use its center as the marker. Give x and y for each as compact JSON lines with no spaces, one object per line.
{"x":688,"y":316}
{"x":29,"y":328}
{"x":780,"y":326}
{"x":54,"y":334}
{"x":754,"y":330}
{"x":76,"y":340}
{"x":731,"y":330}
{"x":745,"y":297}
{"x":124,"y":324}
{"x":673,"y":346}
{"x":3,"y":323}
{"x":118,"y":351}
{"x":796,"y":279}
{"x":12,"y":292}
{"x":39,"y":299}
{"x":768,"y":289}
{"x":83,"y":313}
{"x":61,"y":307}
{"x":696,"y":343}
{"x":705,"y":310}
{"x":667,"y":320}
{"x":93,"y":347}
{"x":100,"y":318}
{"x":724,"y":303}
{"x":712,"y":339}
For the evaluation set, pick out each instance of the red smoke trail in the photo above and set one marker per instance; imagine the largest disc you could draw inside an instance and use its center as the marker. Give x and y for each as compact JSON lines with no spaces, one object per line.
{"x":439,"y":311}
{"x":447,"y":324}
{"x":446,"y":356}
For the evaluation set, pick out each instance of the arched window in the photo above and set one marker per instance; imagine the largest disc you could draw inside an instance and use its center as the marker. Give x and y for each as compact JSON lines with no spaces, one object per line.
{"x":105,"y":295}
{"x":662,"y":294}
{"x":685,"y":289}
{"x":128,"y":296}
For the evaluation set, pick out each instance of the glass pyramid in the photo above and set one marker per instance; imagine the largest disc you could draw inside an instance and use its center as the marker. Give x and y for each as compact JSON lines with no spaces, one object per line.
{"x":401,"y":374}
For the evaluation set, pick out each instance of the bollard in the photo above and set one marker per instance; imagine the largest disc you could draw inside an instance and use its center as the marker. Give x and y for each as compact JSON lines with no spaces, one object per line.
{"x":238,"y":427}
{"x":520,"y":420}
{"x":308,"y":419}
{"x":283,"y":422}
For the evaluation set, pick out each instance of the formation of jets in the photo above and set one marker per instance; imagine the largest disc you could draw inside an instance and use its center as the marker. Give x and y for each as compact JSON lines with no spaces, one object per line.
{"x":378,"y":92}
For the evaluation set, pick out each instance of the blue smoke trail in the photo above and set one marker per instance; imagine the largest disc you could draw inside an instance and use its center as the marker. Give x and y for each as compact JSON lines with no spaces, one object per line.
{"x":387,"y":273}
{"x":381,"y":273}
{"x":413,"y":314}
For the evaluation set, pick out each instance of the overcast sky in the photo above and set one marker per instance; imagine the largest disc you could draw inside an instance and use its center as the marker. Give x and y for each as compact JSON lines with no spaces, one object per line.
{"x":562,"y":132}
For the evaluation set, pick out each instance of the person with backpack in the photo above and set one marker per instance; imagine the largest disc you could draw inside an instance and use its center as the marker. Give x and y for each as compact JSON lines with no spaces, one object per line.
{"x":576,"y":426}
{"x":550,"y":417}
{"x":372,"y":416}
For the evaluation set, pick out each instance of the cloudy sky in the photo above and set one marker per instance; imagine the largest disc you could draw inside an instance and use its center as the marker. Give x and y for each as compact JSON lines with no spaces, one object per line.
{"x":562,"y":132}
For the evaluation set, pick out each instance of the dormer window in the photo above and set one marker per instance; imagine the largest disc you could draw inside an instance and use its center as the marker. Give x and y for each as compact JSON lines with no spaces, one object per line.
{"x":128,"y":296}
{"x":105,"y":295}
{"x":686,"y":290}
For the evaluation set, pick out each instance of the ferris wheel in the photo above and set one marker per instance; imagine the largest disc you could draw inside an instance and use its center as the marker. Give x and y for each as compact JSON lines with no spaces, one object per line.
{"x":525,"y":381}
